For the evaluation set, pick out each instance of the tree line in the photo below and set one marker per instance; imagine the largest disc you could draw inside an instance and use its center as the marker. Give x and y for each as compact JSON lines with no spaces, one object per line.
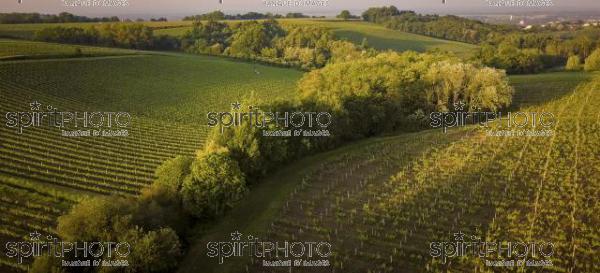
{"x":304,"y":47}
{"x":63,"y":17}
{"x":520,"y":52}
{"x":219,"y":15}
{"x":502,"y":46}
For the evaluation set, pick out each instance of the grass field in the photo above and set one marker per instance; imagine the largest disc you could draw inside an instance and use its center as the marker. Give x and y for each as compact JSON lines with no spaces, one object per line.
{"x":383,"y":38}
{"x":19,"y":49}
{"x":26,"y":31}
{"x":168,"y":97}
{"x":381,"y":201}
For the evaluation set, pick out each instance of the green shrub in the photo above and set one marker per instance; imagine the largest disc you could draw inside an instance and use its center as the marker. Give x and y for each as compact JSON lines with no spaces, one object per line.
{"x":216,"y":184}
{"x":153,"y":251}
{"x":171,"y":173}
{"x":573,"y":63}
{"x":112,"y":219}
{"x":592,"y":63}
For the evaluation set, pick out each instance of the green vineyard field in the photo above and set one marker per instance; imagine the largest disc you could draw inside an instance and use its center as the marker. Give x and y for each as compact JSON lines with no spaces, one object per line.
{"x":26,"y":31}
{"x":381,"y":211}
{"x":43,"y":174}
{"x":18,"y":49}
{"x":381,"y":202}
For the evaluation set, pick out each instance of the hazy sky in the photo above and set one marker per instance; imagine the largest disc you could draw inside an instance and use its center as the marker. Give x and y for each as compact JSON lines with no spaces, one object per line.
{"x":186,"y":7}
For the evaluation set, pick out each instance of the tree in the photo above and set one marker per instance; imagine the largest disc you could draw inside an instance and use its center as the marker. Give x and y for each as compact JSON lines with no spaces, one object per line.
{"x":378,"y":15}
{"x":573,"y":63}
{"x":215,"y":185}
{"x":250,"y":38}
{"x":113,"y":219}
{"x":153,"y":251}
{"x":345,"y":14}
{"x":592,"y":63}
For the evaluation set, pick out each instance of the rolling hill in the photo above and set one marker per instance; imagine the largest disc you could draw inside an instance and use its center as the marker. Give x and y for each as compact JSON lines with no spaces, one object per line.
{"x":43,"y":173}
{"x":382,"y":201}
{"x":377,"y":36}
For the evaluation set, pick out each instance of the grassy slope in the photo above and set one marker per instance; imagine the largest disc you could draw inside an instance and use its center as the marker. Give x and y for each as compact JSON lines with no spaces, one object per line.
{"x":383,"y":38}
{"x":168,"y":96}
{"x":26,"y":31}
{"x":19,"y":49}
{"x":278,"y":207}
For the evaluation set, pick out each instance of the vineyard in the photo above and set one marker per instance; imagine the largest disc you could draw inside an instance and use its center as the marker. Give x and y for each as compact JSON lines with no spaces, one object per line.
{"x":43,"y":173}
{"x":381,"y":203}
{"x":26,"y":31}
{"x":381,"y":210}
{"x":16,"y":49}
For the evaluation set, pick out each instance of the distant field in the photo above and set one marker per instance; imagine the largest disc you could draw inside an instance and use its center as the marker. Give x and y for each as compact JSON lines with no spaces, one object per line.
{"x":382,"y":201}
{"x":377,"y":36}
{"x":383,"y":38}
{"x":43,"y":173}
{"x":26,"y":31}
{"x":19,"y":49}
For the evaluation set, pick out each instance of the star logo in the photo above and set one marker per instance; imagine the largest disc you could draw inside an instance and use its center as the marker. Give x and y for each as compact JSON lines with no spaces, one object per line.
{"x":35,"y":235}
{"x":459,"y":105}
{"x":236,"y":105}
{"x":459,"y":236}
{"x":235,"y":236}
{"x":35,"y":106}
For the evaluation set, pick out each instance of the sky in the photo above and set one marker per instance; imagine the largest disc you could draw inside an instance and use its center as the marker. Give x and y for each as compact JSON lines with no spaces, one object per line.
{"x":187,"y":7}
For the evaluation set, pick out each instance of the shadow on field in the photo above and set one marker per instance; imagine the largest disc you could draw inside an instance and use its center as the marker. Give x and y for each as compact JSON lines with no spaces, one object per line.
{"x":531,"y":90}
